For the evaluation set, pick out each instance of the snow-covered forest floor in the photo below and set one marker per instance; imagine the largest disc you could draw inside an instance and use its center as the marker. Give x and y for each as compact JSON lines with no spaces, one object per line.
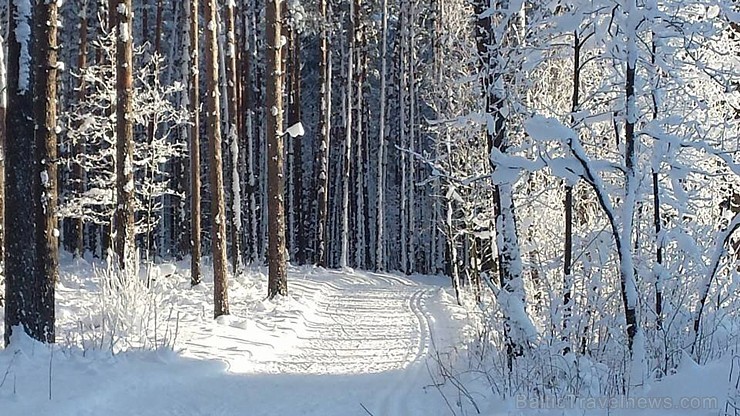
{"x":342,"y":343}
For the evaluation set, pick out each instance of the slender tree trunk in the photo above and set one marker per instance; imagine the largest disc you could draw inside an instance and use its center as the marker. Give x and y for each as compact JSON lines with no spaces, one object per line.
{"x":294,"y":116}
{"x":322,"y":156}
{"x":233,"y":136}
{"x":124,"y":216}
{"x":358,"y":201}
{"x":568,"y":204}
{"x":627,"y":273}
{"x":403,"y":138}
{"x":347,"y":156}
{"x":412,"y":207}
{"x":194,"y":93}
{"x":380,"y":261}
{"x":278,"y":280}
{"x":218,"y":214}
{"x":250,"y":137}
{"x":656,"y":200}
{"x":3,"y":139}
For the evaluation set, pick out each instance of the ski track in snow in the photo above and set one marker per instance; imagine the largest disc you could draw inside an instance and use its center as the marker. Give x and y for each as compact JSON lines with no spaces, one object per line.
{"x":341,"y":340}
{"x":361,"y":324}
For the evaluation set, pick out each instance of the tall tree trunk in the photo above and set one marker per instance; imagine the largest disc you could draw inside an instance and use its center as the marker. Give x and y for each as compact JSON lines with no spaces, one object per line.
{"x":31,"y":245}
{"x":251,"y":138}
{"x":627,"y":272}
{"x":347,"y":151}
{"x":194,"y":141}
{"x":359,"y":165}
{"x":45,"y":107}
{"x":324,"y":141}
{"x":278,"y":279}
{"x":380,"y":249}
{"x":124,"y":216}
{"x":568,"y":203}
{"x":403,"y":138}
{"x":656,"y":196}
{"x":412,"y":236}
{"x":233,"y":137}
{"x":218,"y":209}
{"x":3,"y":139}
{"x":294,"y":116}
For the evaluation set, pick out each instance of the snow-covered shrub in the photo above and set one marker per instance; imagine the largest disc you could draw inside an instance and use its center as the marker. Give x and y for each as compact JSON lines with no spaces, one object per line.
{"x":128,"y":313}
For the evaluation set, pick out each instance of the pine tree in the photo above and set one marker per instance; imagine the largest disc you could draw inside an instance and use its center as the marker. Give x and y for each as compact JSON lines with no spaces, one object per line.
{"x":124,"y":242}
{"x":213,"y":129}
{"x":232,"y":135}
{"x":380,"y":249}
{"x":194,"y":143}
{"x":31,"y":245}
{"x":278,"y":281}
{"x":324,"y":141}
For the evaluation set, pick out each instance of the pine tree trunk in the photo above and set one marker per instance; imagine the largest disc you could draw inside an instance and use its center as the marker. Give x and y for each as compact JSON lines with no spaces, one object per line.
{"x":412,"y":207}
{"x":31,"y":256}
{"x":194,"y":98}
{"x":294,"y":116}
{"x":358,"y":201}
{"x":3,"y":140}
{"x":380,"y":249}
{"x":402,"y":118}
{"x":278,"y":281}
{"x":233,"y":137}
{"x":124,"y":216}
{"x":213,"y":129}
{"x":251,"y":137}
{"x":347,"y":151}
{"x":322,"y":156}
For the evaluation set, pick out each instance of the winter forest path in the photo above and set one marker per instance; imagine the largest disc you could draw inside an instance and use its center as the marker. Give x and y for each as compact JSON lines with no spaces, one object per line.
{"x":342,"y":343}
{"x":371,"y":331}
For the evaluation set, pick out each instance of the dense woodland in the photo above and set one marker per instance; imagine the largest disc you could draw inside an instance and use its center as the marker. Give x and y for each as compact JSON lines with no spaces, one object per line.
{"x":577,"y":161}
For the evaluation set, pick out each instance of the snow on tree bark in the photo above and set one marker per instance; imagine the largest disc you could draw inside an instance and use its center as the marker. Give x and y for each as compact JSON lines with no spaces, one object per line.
{"x":124,"y":242}
{"x":31,"y":240}
{"x":194,"y":143}
{"x":277,"y":256}
{"x":324,"y":143}
{"x":213,"y":130}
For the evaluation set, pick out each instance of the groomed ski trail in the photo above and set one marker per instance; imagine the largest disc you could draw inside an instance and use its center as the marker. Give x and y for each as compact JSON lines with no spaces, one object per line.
{"x":341,"y":341}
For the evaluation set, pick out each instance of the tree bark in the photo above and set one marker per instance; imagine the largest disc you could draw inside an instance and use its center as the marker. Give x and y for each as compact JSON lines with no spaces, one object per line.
{"x":31,"y":246}
{"x":347,"y":151}
{"x":278,"y":281}
{"x":124,"y":242}
{"x":380,"y":261}
{"x":294,"y":116}
{"x":233,"y":136}
{"x":195,"y":183}
{"x":322,"y":155}
{"x":213,"y":129}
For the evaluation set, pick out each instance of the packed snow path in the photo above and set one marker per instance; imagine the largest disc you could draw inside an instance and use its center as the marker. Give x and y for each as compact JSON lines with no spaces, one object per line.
{"x":359,"y":324}
{"x":340,"y":342}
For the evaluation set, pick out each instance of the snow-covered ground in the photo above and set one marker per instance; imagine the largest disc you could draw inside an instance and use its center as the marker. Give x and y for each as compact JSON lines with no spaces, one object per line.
{"x":342,"y":343}
{"x":338,"y":342}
